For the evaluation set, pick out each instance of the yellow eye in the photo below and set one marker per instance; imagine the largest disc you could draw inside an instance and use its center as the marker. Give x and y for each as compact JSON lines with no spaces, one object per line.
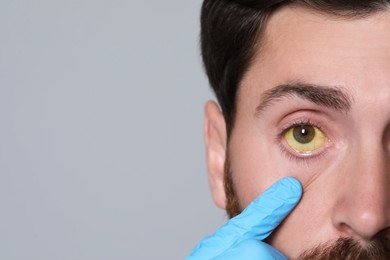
{"x":305,"y":138}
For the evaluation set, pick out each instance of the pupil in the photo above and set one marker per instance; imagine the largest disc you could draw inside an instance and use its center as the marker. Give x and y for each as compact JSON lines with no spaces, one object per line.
{"x":304,"y":134}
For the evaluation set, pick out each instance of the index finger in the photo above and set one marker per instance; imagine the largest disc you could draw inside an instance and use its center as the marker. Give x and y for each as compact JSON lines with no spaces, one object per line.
{"x":259,"y":219}
{"x":266,"y":212}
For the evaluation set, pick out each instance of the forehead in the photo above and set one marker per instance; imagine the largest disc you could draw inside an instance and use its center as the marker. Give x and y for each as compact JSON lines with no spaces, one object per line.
{"x":305,"y":29}
{"x":302,"y":44}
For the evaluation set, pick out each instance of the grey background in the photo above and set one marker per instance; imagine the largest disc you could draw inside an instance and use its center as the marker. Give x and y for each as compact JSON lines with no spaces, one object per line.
{"x":101,"y":149}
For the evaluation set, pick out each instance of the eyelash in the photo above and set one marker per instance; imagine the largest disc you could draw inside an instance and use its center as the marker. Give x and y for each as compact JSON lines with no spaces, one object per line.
{"x":299,"y":158}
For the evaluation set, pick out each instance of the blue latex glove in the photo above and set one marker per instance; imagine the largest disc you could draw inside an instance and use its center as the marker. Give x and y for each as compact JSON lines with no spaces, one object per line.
{"x":241,"y":237}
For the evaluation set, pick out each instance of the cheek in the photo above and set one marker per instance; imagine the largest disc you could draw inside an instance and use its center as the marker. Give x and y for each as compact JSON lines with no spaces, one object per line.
{"x":310,"y":223}
{"x":303,"y":229}
{"x":257,"y":163}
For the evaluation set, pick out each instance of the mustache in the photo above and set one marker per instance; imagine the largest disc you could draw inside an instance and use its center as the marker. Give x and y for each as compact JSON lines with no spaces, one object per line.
{"x":349,"y":249}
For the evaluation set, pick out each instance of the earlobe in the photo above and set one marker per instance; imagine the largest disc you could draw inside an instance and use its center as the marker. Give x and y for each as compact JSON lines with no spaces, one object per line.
{"x":215,"y":142}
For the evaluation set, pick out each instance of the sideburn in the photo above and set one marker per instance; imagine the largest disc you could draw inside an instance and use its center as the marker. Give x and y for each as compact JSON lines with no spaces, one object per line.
{"x":232,"y":204}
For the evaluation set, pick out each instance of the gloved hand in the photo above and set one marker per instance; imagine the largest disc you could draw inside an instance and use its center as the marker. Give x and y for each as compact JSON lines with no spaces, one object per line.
{"x":241,"y":237}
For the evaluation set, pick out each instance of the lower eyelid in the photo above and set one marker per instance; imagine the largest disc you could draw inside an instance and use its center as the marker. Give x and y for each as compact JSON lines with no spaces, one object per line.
{"x":302,"y":158}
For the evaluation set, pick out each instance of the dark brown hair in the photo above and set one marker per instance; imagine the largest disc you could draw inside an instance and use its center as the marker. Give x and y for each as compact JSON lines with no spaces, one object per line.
{"x":231,"y":30}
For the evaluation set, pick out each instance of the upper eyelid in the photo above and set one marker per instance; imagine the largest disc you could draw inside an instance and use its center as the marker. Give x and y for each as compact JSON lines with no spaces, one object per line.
{"x":300,"y":123}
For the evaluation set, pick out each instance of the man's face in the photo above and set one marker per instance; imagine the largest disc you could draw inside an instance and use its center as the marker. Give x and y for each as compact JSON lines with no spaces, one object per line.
{"x":315,"y":105}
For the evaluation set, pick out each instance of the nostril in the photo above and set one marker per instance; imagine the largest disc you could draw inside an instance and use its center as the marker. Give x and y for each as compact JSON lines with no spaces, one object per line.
{"x":345,"y":230}
{"x":363,"y":224}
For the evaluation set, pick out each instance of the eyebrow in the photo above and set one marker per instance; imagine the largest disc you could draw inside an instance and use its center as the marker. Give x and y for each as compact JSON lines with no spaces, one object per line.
{"x":330,"y":97}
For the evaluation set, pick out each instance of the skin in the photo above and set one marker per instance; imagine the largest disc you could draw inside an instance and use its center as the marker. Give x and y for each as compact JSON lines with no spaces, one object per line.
{"x":346,"y":181}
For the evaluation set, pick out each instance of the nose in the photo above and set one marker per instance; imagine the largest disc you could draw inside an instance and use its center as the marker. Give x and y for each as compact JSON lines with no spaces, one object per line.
{"x":362,"y":209}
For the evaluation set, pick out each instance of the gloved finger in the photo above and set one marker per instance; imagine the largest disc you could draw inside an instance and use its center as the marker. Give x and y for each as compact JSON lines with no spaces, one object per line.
{"x":251,"y":250}
{"x":257,"y":221}
{"x":266,"y":212}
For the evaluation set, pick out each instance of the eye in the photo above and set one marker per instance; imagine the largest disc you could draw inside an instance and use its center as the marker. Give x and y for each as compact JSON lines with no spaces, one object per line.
{"x":305,"y":138}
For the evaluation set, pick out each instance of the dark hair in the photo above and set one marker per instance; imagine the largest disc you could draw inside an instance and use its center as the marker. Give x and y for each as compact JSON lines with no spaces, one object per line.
{"x":232,"y":29}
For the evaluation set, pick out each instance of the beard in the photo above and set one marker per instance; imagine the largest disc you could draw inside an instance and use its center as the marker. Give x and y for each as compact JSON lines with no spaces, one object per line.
{"x":349,"y":249}
{"x":341,"y":249}
{"x":233,"y":207}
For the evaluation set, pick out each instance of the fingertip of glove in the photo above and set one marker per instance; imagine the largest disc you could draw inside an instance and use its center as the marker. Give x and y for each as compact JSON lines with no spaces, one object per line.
{"x":293,"y":185}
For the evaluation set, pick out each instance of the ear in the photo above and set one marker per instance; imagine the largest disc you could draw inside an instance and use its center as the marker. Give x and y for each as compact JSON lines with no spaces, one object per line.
{"x":215,"y":141}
